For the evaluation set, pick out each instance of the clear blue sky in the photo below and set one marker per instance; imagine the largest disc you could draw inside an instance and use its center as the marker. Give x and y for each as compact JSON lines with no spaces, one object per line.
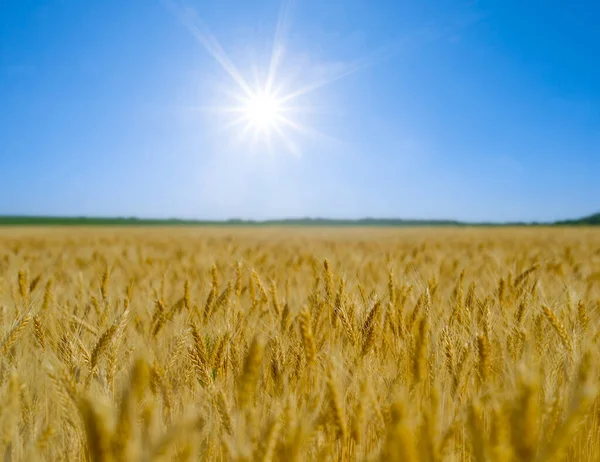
{"x":477,"y":110}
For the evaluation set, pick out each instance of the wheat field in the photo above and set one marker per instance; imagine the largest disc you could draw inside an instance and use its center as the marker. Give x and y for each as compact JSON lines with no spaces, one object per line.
{"x":299,"y":344}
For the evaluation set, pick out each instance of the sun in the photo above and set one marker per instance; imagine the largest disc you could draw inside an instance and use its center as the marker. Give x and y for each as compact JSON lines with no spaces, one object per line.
{"x":273,"y":109}
{"x":265,"y":114}
{"x":263,"y":111}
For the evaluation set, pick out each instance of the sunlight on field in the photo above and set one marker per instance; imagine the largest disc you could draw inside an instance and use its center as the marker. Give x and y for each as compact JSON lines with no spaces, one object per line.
{"x":299,"y":344}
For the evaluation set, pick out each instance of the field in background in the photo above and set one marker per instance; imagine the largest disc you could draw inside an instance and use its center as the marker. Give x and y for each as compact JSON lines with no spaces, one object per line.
{"x":299,"y":344}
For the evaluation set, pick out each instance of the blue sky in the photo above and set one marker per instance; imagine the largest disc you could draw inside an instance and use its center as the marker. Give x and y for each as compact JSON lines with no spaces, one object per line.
{"x":474,"y":110}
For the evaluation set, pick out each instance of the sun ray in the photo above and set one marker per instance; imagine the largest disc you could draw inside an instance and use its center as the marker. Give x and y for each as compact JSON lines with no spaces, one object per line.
{"x":307,"y":131}
{"x":217,"y":109}
{"x":268,"y":143}
{"x":254,"y":141}
{"x":234,"y":123}
{"x":190,"y":19}
{"x":242,"y":135}
{"x":283,"y":24}
{"x":290,"y":145}
{"x":358,"y":65}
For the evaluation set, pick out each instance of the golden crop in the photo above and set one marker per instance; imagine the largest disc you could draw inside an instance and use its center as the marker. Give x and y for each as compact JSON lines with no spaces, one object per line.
{"x":299,"y":344}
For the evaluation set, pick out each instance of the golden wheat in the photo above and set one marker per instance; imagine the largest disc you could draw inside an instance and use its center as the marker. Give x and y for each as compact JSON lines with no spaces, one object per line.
{"x":300,"y":344}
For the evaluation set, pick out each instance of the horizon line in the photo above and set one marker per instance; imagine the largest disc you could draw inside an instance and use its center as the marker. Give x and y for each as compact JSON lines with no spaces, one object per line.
{"x":307,"y":220}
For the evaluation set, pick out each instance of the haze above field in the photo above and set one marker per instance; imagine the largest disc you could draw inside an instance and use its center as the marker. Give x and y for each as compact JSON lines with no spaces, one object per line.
{"x":476,"y":111}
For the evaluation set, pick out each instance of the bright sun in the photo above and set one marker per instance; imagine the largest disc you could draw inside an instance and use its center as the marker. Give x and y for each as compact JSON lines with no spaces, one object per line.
{"x":267,"y":110}
{"x":262,"y":111}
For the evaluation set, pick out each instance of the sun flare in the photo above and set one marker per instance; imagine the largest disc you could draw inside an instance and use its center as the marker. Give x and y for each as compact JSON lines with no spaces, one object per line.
{"x":263,"y":111}
{"x":265,"y":115}
{"x":272,"y":113}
